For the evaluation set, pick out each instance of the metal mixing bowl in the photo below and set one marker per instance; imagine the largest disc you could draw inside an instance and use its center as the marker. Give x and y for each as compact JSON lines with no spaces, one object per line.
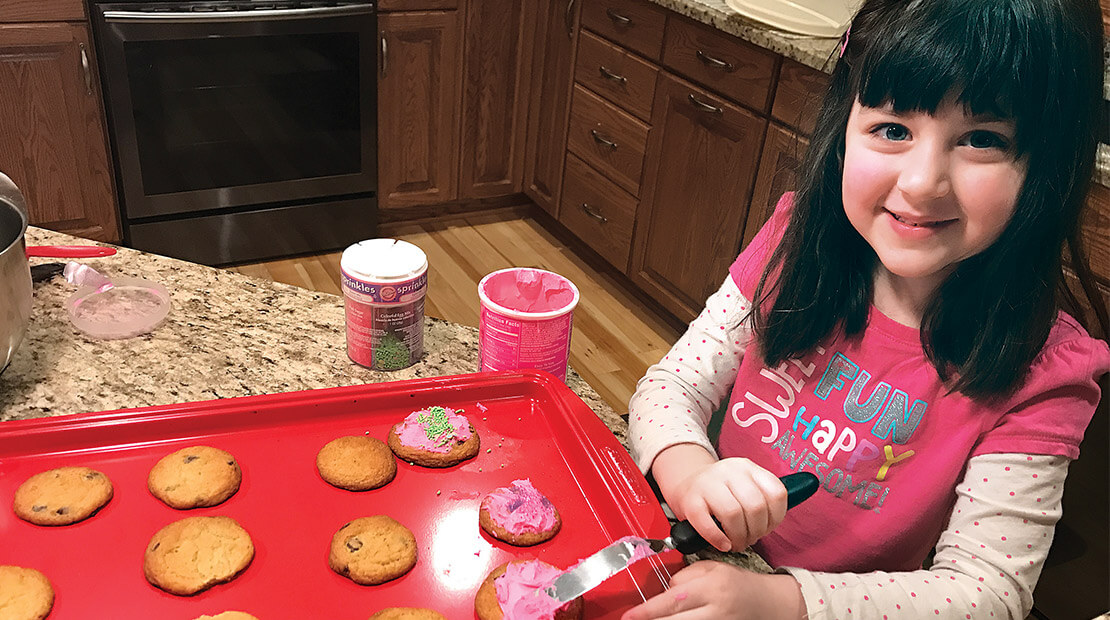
{"x":15,"y":275}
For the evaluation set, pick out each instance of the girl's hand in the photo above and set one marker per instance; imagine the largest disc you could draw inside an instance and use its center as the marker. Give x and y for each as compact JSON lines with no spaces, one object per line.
{"x":713,"y":590}
{"x":746,"y":500}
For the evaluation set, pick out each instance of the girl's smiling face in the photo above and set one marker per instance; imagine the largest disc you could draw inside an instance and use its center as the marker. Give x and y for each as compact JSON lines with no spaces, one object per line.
{"x":928,"y":190}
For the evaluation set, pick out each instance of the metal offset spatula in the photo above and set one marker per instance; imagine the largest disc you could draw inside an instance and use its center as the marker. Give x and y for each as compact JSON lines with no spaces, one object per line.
{"x":594,"y":570}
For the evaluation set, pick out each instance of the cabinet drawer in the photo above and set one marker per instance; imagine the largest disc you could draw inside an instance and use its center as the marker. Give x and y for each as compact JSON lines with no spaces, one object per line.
{"x":633,"y":24}
{"x":598,"y":211}
{"x":798,"y":95}
{"x":616,"y":75}
{"x":611,"y":140}
{"x":736,"y":69}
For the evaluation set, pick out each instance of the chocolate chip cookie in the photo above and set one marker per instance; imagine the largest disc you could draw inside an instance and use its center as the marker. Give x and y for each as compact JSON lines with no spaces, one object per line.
{"x":62,"y":496}
{"x":25,"y":594}
{"x":356,"y":463}
{"x":195,"y":477}
{"x":229,"y":615}
{"x":372,"y":550}
{"x":196,"y":553}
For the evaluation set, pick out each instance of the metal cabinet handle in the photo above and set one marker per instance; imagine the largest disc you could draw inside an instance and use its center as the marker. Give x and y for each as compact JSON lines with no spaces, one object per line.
{"x":609,"y":75}
{"x":385,"y":54}
{"x":88,"y":71}
{"x":570,"y":18}
{"x":701,"y":105}
{"x":594,"y":214}
{"x":714,"y":62}
{"x":602,"y":140}
{"x":618,"y":18}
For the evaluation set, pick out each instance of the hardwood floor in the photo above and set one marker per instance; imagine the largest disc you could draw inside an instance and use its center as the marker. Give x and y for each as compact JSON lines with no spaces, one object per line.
{"x":616,"y":336}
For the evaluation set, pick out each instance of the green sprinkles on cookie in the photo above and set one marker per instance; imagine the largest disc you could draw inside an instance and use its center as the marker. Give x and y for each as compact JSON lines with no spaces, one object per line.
{"x":436,"y":426}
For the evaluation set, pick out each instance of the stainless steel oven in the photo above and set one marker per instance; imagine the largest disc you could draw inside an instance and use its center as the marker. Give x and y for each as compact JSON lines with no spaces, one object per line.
{"x":241,"y":129}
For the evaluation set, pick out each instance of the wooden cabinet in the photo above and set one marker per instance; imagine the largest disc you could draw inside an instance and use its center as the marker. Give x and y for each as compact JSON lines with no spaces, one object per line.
{"x":549,"y":102}
{"x":495,"y":97}
{"x":779,"y":165}
{"x":418,"y":107}
{"x":608,"y":138}
{"x":598,"y":211}
{"x":701,"y":165}
{"x":1077,"y":560}
{"x":632,"y":24}
{"x":52,"y":138}
{"x":618,"y":76}
{"x":798,"y":95}
{"x":736,"y":69}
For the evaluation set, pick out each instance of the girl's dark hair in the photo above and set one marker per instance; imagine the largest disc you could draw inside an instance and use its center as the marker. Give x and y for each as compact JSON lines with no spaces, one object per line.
{"x":1038,"y":62}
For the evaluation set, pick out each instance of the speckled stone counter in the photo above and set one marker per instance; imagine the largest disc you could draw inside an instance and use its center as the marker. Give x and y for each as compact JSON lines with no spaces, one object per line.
{"x":227,"y":335}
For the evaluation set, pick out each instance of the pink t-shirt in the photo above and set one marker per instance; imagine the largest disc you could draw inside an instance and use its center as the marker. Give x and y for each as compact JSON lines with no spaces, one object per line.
{"x":871,"y":418}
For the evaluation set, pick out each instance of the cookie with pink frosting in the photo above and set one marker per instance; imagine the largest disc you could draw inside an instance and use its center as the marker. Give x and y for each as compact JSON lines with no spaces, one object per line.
{"x":509,"y":593}
{"x":519,"y":515}
{"x":434,"y":437}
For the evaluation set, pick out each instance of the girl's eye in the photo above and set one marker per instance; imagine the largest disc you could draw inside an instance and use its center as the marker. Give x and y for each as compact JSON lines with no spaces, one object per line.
{"x":986,"y":140}
{"x":892,"y":132}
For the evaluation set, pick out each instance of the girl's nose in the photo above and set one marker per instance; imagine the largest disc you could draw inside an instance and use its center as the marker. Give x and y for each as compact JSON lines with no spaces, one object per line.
{"x":925,"y":174}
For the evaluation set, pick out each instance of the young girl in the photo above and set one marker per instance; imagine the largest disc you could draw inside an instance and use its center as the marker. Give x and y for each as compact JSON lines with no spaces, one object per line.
{"x":894,"y":329}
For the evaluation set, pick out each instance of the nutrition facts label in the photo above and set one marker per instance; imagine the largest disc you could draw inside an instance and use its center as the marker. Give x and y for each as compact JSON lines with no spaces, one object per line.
{"x":507,"y":343}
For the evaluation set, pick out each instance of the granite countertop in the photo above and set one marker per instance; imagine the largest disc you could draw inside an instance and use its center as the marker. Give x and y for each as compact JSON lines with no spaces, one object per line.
{"x":227,"y":335}
{"x":816,"y":52}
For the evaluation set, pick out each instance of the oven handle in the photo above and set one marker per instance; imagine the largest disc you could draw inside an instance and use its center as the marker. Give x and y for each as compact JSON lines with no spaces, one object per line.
{"x":236,"y":16}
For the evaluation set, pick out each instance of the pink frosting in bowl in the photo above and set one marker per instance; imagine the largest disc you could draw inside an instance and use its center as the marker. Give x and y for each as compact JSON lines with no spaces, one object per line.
{"x":517,"y":591}
{"x":435,"y":429}
{"x":520,"y":508}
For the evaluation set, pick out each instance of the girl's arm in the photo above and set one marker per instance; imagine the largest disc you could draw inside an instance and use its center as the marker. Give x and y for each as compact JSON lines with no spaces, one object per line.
{"x":988,"y":559}
{"x":669,"y":414}
{"x":676,"y":397}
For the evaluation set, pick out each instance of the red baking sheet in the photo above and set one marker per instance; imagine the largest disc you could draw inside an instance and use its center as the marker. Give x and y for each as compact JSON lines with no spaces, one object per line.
{"x":530,"y":424}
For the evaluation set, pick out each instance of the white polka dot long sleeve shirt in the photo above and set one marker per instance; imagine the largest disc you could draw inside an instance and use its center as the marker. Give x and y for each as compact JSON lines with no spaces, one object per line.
{"x":987,"y":559}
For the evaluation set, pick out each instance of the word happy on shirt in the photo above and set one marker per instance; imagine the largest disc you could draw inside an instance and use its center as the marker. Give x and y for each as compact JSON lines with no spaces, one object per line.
{"x":833,"y":442}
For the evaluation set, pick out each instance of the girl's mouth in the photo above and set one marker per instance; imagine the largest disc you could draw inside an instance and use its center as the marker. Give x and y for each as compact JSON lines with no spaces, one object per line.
{"x":925,"y":224}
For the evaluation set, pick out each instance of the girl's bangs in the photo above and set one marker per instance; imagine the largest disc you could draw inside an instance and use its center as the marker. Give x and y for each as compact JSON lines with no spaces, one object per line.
{"x":920,"y":57}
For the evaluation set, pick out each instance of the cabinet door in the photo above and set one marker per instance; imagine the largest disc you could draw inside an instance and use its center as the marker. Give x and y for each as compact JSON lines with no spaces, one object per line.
{"x":779,"y":165}
{"x":701,"y":163}
{"x":52,"y":141}
{"x":418,"y":108}
{"x":495,"y":96}
{"x":549,"y":104}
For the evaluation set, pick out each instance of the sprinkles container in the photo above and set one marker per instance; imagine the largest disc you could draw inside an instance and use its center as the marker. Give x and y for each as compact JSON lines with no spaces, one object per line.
{"x":384,"y":283}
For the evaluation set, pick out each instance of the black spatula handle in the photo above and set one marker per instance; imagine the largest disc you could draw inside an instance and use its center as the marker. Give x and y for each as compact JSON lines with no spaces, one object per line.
{"x":799,"y":487}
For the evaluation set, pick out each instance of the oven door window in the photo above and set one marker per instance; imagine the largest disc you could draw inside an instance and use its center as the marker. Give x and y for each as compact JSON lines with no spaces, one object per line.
{"x":238,"y":111}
